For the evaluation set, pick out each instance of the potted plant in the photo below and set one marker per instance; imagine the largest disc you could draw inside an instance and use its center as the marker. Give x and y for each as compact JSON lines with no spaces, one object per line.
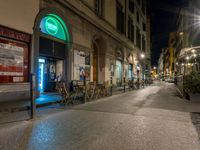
{"x":191,"y":86}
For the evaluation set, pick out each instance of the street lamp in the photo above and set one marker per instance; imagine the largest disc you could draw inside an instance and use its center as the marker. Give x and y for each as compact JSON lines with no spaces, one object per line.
{"x":181,"y":33}
{"x":193,"y":50}
{"x":142,"y":55}
{"x":138,"y":73}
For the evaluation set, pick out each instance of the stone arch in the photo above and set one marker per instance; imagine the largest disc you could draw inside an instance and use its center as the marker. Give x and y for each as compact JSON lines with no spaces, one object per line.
{"x":119,"y":65}
{"x":53,"y":11}
{"x":99,"y":46}
{"x":101,"y":42}
{"x":64,"y":43}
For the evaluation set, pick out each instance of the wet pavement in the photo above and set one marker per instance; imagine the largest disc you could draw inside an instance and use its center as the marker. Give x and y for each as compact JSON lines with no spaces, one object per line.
{"x":153,"y":118}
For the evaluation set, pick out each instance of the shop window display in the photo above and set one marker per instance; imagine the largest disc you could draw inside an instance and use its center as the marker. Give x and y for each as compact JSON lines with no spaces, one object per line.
{"x":13,"y":61}
{"x":81,"y":65}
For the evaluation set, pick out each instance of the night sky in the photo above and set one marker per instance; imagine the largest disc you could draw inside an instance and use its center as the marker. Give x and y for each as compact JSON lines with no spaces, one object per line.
{"x":164,"y":14}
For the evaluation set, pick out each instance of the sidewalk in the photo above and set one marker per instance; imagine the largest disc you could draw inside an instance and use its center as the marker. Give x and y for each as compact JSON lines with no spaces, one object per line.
{"x":48,"y":99}
{"x":43,"y":100}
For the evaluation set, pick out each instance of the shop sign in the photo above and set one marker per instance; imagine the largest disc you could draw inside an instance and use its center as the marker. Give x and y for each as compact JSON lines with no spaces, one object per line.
{"x":6,"y":32}
{"x":51,"y":26}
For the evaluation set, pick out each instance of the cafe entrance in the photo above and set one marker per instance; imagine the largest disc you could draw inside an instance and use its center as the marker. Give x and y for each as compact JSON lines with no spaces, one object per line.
{"x":52,"y":57}
{"x":49,"y":72}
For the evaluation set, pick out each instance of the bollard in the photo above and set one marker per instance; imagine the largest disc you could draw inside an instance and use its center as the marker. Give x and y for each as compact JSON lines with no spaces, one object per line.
{"x":32,"y":88}
{"x":138,"y":83}
{"x":124,"y":85}
{"x":84,"y":85}
{"x":132,"y":83}
{"x":111,"y":86}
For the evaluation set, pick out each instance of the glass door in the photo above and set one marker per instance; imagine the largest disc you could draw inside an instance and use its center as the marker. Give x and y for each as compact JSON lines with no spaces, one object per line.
{"x":41,"y":63}
{"x":119,"y":72}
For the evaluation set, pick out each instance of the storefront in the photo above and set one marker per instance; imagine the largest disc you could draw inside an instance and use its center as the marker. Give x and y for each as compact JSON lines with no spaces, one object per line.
{"x":119,"y":67}
{"x":14,"y":64}
{"x":130,"y":71}
{"x":52,"y":59}
{"x":118,"y":72}
{"x":130,"y":66}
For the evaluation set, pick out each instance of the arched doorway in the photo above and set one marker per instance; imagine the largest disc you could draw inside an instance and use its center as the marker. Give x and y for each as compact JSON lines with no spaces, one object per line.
{"x":99,"y":46}
{"x":119,"y":67}
{"x":51,"y":55}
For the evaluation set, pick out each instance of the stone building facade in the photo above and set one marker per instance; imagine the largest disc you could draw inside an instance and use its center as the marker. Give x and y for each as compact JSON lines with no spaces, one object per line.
{"x":187,"y":41}
{"x":70,"y":39}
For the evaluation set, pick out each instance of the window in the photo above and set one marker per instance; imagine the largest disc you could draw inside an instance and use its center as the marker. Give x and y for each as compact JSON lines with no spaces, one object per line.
{"x":131,"y":30}
{"x":138,"y":17}
{"x":144,"y":27}
{"x":130,"y":71}
{"x":143,"y":43}
{"x":143,"y":7}
{"x":98,"y":6}
{"x":120,"y":18}
{"x":138,"y":38}
{"x":131,"y":6}
{"x":138,"y":1}
{"x":14,"y":58}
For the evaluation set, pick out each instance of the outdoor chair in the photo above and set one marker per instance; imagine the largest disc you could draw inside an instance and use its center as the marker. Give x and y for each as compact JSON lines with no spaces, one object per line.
{"x":90,"y":90}
{"x":130,"y":84}
{"x":78,"y":89}
{"x":62,"y":90}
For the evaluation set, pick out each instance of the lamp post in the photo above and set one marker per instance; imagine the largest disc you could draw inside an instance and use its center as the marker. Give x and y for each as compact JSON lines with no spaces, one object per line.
{"x":143,"y":64}
{"x":155,"y":71}
{"x":142,"y":56}
{"x":138,"y":79}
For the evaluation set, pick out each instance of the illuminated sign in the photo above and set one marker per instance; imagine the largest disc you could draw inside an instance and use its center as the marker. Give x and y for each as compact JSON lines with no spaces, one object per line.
{"x":51,"y":26}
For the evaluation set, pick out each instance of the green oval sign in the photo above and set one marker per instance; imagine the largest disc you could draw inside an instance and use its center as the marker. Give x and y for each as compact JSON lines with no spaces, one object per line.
{"x":51,"y":26}
{"x":54,"y":26}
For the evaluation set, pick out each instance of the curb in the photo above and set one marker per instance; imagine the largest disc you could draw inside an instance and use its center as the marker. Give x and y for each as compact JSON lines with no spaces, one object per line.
{"x":26,"y":108}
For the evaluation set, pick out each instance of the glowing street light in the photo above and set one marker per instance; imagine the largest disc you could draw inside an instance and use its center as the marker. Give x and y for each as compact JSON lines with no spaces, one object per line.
{"x":193,"y":50}
{"x":154,"y":67}
{"x":181,"y":33}
{"x":187,"y":57}
{"x":142,"y":55}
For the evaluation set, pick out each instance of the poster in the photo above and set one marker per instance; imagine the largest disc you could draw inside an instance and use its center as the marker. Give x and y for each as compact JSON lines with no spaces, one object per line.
{"x":81,"y":65}
{"x":52,"y":71}
{"x":11,"y":60}
{"x":87,"y":72}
